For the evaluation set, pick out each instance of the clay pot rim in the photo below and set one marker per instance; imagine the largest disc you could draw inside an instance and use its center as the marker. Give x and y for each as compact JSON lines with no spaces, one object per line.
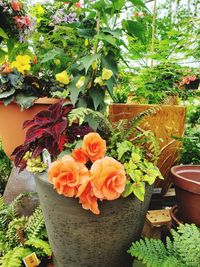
{"x":145,"y":105}
{"x":174,"y":171}
{"x":40,"y":101}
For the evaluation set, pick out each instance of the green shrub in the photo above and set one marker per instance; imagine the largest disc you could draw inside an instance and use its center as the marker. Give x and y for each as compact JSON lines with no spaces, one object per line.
{"x":5,"y":168}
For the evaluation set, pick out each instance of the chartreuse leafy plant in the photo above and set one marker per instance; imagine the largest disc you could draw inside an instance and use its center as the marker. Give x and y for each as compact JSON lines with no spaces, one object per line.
{"x":21,"y":236}
{"x":183,"y":250}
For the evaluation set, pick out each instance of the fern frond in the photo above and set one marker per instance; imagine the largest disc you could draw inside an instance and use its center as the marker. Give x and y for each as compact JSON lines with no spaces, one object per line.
{"x":39,"y":244}
{"x":2,"y":205}
{"x":35,"y":224}
{"x":14,"y":258}
{"x":13,"y":234}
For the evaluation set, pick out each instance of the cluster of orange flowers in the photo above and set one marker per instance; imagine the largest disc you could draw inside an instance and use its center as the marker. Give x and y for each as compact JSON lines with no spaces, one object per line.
{"x":105,"y":180}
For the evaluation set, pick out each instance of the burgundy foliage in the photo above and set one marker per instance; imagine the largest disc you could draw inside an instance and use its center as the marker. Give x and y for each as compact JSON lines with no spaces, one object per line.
{"x":49,"y":129}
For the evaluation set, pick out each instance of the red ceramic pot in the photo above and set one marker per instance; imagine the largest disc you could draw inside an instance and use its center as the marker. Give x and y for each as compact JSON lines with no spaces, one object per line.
{"x":186,"y":179}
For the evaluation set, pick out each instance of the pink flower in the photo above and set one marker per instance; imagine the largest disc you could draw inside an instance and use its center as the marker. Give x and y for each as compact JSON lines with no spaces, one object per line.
{"x":78,"y":5}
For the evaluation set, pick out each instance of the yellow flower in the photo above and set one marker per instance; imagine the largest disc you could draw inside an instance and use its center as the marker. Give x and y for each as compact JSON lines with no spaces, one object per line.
{"x":63,"y":77}
{"x":99,"y":81}
{"x":86,"y":42}
{"x":94,"y":65}
{"x":22,"y":63}
{"x":40,"y":10}
{"x":106,"y":74}
{"x":80,"y":82}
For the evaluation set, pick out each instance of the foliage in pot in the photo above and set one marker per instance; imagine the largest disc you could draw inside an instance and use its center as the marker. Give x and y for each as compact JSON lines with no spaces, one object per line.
{"x":21,"y":236}
{"x":155,"y":85}
{"x":93,"y":169}
{"x":180,"y":251}
{"x":79,"y":47}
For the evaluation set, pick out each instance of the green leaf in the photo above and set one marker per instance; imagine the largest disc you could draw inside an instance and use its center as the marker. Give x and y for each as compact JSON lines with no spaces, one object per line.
{"x":139,"y":190}
{"x":50,"y":55}
{"x":7,"y":93}
{"x":88,"y":60}
{"x":118,"y":4}
{"x":3,"y":34}
{"x":138,"y":3}
{"x":107,"y":38}
{"x":128,"y":189}
{"x":123,"y":147}
{"x":8,"y":100}
{"x":97,"y":94}
{"x":25,"y":102}
{"x":134,"y":28}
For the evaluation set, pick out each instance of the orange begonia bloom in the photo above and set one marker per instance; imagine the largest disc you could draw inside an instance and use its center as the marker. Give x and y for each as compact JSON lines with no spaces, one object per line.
{"x":80,"y":155}
{"x":108,"y":178}
{"x":94,"y":146}
{"x":87,"y":197}
{"x":66,"y":175}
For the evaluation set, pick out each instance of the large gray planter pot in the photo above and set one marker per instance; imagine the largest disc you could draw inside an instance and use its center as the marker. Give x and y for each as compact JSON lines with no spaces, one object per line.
{"x":79,"y":238}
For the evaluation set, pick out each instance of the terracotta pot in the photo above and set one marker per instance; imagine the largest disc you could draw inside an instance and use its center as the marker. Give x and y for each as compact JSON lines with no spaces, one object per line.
{"x":167,"y":122}
{"x":80,"y":238}
{"x":186,"y":179}
{"x":175,"y":216}
{"x":11,"y":121}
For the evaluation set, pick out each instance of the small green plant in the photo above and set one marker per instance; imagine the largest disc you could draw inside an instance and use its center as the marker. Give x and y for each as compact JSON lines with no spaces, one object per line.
{"x":183,"y":250}
{"x":20,"y":235}
{"x":5,"y":168}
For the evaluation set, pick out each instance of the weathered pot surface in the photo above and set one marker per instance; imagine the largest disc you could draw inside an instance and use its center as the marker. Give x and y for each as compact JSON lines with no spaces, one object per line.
{"x":79,"y":238}
{"x":186,"y":179}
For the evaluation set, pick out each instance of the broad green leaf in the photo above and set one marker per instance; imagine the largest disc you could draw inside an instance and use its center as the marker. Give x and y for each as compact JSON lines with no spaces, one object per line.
{"x":134,"y":28}
{"x":50,"y":55}
{"x":3,"y":34}
{"x":7,"y":93}
{"x":97,"y":94}
{"x":88,"y":60}
{"x":128,"y":189}
{"x":118,"y":4}
{"x":107,"y":38}
{"x":138,"y":3}
{"x":139,"y":190}
{"x":25,"y":102}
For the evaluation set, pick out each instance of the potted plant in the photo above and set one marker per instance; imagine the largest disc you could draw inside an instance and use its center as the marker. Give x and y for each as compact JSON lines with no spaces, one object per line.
{"x":73,"y":51}
{"x":154,"y":87}
{"x":110,"y":176}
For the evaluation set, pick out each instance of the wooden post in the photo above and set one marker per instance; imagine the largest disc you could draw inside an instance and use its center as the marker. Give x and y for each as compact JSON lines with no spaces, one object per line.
{"x":153,"y":31}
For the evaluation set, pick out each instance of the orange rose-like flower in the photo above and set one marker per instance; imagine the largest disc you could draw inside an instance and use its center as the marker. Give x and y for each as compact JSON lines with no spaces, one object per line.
{"x":94,"y":146}
{"x":87,"y":197}
{"x":66,"y":175}
{"x":108,"y":178}
{"x":80,"y":155}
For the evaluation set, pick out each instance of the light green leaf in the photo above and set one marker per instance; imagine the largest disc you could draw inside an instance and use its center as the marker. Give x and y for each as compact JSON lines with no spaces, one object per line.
{"x":139,"y":190}
{"x":123,"y":147}
{"x":50,"y":55}
{"x":128,"y":189}
{"x":3,"y":34}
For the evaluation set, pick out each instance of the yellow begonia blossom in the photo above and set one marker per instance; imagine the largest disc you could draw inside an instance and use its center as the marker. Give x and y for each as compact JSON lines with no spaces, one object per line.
{"x":80,"y":82}
{"x":94,"y":65}
{"x":99,"y":81}
{"x":106,"y":74}
{"x":22,"y":63}
{"x":86,"y":42}
{"x":40,"y":10}
{"x":63,"y":77}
